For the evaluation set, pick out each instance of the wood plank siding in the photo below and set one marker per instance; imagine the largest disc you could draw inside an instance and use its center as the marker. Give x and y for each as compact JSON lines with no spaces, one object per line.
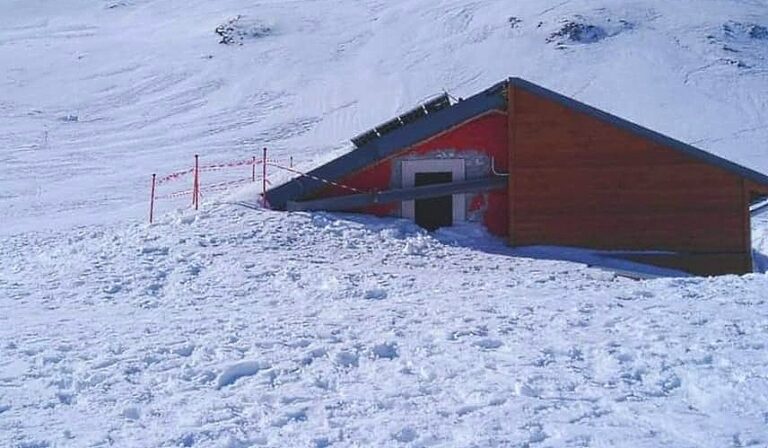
{"x":577,"y":180}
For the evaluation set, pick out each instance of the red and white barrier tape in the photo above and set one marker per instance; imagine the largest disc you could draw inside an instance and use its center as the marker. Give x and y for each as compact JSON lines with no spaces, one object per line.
{"x":319,"y":179}
{"x":214,"y":167}
{"x":197,"y":192}
{"x":246,"y":162}
{"x":174,"y":176}
{"x":178,"y":194}
{"x":221,"y":166}
{"x":226,"y":184}
{"x":208,"y":189}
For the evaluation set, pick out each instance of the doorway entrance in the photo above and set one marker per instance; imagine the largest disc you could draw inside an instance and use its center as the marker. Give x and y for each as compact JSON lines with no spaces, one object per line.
{"x":433,"y":213}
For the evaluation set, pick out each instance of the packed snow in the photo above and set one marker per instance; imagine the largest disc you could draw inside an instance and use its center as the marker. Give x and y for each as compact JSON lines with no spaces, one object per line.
{"x":240,"y":327}
{"x":236,"y":326}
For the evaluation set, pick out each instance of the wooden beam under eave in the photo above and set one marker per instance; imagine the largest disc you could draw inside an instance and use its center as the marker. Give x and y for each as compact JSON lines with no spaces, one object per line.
{"x":357,"y":201}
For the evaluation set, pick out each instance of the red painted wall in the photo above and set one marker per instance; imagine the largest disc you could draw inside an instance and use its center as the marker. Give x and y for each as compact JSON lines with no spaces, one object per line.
{"x":486,"y":133}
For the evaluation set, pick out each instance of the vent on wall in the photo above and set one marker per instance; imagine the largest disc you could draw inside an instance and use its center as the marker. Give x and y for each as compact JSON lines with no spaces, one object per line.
{"x":439,"y":103}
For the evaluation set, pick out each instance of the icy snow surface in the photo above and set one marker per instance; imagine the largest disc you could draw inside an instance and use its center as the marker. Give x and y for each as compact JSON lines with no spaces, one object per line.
{"x":238,"y":327}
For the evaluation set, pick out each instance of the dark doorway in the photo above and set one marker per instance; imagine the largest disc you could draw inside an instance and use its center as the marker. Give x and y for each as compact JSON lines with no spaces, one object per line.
{"x":434,"y":213}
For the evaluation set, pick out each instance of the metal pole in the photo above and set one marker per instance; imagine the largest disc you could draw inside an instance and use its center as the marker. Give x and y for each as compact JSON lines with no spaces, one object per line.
{"x":264,"y":178}
{"x":253,"y":167}
{"x":196,"y":187}
{"x":152,"y":200}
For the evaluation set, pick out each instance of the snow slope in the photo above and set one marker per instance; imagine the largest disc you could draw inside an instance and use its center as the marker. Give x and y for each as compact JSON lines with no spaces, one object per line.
{"x":235,"y":327}
{"x":97,"y":95}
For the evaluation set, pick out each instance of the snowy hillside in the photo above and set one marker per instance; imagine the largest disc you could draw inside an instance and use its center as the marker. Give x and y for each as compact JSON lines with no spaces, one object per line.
{"x":239,"y":327}
{"x":97,"y":95}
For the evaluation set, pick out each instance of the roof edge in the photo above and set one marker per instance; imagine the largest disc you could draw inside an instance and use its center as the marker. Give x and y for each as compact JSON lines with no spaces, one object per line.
{"x":389,"y":144}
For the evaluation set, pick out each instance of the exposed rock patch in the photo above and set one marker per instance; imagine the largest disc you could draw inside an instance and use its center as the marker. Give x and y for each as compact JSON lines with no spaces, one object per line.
{"x":743,"y":44}
{"x":740,"y":31}
{"x":579,"y":30}
{"x":240,"y":29}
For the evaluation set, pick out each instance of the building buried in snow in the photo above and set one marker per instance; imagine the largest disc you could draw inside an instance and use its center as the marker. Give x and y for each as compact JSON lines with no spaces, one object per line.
{"x":538,"y":168}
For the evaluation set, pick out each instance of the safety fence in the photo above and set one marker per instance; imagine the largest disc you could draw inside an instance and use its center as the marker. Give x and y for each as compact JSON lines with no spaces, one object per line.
{"x":256,"y":169}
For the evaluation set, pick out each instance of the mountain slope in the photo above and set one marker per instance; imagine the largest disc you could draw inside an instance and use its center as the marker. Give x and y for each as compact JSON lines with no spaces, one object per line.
{"x":98,"y":95}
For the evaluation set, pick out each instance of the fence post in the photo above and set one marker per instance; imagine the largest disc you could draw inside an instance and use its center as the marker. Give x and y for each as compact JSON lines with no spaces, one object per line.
{"x":253,"y":169}
{"x":264,"y":179}
{"x":152,"y":200}
{"x":196,"y":186}
{"x":291,"y":163}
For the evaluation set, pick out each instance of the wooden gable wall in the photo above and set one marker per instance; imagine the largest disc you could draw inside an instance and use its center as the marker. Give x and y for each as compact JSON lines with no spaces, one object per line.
{"x":577,"y":180}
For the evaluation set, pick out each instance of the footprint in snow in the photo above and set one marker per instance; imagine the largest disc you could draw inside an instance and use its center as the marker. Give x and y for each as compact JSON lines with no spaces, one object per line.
{"x":131,"y":413}
{"x":313,"y":355}
{"x":405,"y":435}
{"x":468,"y":409}
{"x":488,"y":344}
{"x":149,"y":250}
{"x":184,"y":350}
{"x":240,"y":370}
{"x":113,"y":288}
{"x":347,"y":359}
{"x":526,"y":390}
{"x":322,"y":442}
{"x":298,"y":415}
{"x":386,"y":350}
{"x":375,"y":294}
